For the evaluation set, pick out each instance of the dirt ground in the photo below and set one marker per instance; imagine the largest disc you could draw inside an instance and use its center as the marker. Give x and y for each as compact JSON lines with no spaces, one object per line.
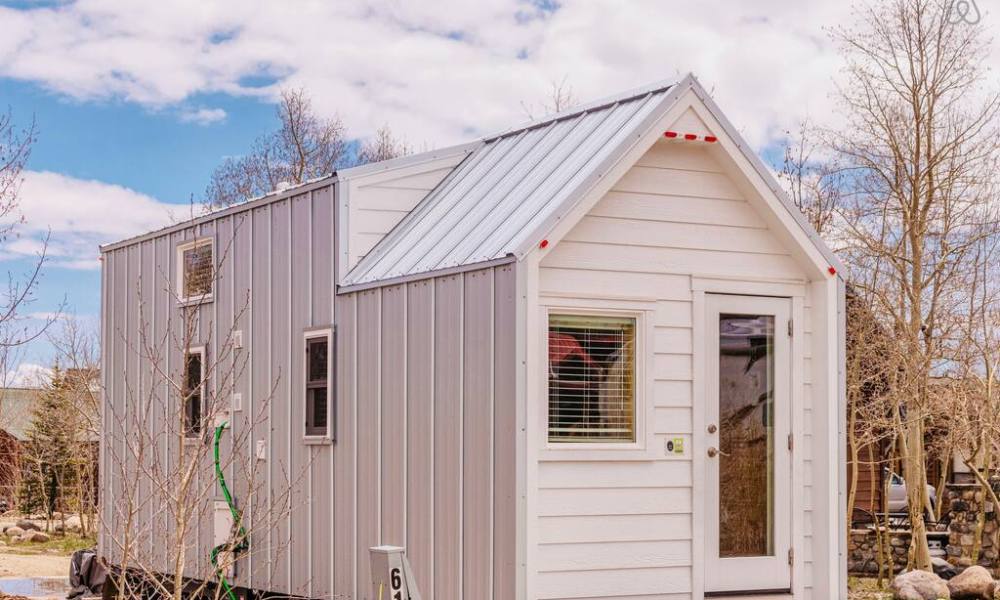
{"x":33,"y":565}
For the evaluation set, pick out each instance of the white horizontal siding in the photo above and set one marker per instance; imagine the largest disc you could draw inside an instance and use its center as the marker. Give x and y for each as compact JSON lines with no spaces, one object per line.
{"x":378,"y":201}
{"x":623,"y":528}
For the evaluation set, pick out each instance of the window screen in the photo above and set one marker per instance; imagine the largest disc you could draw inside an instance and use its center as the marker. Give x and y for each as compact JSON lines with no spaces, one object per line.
{"x":317,"y":386}
{"x":196,"y":274}
{"x":192,"y":393}
{"x":591,"y":379}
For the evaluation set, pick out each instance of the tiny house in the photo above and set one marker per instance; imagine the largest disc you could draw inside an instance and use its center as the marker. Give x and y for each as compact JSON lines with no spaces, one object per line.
{"x":595,"y":356}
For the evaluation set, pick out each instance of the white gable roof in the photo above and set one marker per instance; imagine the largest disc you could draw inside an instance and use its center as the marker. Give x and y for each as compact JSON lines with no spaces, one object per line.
{"x":514,"y":187}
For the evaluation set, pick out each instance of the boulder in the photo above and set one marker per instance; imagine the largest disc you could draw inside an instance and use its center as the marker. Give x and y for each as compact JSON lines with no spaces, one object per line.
{"x":13,"y":531}
{"x":919,"y":585}
{"x":943,"y":568}
{"x":73,"y":524}
{"x":36,"y":537}
{"x":27,"y":525}
{"x":974,"y":583}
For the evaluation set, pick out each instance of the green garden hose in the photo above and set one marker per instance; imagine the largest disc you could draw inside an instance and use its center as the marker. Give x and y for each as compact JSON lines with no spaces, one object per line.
{"x":241,"y":544}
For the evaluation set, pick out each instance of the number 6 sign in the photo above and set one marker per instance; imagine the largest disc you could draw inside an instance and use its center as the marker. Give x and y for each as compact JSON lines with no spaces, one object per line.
{"x":392,"y":578}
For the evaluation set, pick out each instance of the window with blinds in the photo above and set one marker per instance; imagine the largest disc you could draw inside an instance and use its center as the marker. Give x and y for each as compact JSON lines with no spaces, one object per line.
{"x":196,"y":270}
{"x":591,"y":378}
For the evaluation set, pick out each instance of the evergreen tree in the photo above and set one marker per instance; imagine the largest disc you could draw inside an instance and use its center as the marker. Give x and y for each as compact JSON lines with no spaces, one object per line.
{"x":51,"y":450}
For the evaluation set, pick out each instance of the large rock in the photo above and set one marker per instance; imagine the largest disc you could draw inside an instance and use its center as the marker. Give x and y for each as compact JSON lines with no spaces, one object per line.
{"x":27,"y":525}
{"x":35,"y":537}
{"x":73,"y":524}
{"x":974,"y":583}
{"x":943,"y":568}
{"x":919,"y":585}
{"x":14,"y":531}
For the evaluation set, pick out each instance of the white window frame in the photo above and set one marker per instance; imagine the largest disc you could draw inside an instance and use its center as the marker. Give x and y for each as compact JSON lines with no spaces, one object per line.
{"x":642,"y":386}
{"x":307,"y":336}
{"x":179,"y":259}
{"x":200,"y":351}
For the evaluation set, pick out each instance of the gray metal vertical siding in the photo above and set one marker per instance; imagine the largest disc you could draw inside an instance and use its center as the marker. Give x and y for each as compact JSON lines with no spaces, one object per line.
{"x":433,"y":381}
{"x":423,"y":407}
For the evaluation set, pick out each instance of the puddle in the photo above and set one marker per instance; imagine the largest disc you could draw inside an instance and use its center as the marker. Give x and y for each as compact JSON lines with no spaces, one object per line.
{"x":34,"y":586}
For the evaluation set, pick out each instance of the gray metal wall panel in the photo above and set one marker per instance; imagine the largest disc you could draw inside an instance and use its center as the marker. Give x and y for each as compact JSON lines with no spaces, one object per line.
{"x":280,"y":423}
{"x":448,"y":438}
{"x":420,"y":432}
{"x":367,"y":443}
{"x":477,"y":434}
{"x":344,"y":499}
{"x":260,"y":401}
{"x":299,"y":293}
{"x":504,"y":435}
{"x":417,"y":406}
{"x":393,"y":415}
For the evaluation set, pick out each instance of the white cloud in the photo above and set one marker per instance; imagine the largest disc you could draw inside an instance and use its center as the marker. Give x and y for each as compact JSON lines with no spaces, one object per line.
{"x":26,"y":375}
{"x":78,"y":215}
{"x":438,"y":72}
{"x":203,"y":116}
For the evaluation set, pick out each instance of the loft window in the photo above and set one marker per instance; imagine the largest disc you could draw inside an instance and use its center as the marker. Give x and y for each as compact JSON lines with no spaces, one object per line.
{"x":193,"y":391}
{"x":318,"y":384}
{"x":591,"y":378}
{"x":195,"y":270}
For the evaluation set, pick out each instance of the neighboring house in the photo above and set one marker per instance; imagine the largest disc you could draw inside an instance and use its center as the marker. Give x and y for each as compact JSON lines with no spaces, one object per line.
{"x":17,"y":406}
{"x":597,"y":356}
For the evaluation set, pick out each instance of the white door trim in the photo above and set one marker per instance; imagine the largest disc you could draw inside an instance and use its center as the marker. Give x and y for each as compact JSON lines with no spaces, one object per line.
{"x":759,"y":573}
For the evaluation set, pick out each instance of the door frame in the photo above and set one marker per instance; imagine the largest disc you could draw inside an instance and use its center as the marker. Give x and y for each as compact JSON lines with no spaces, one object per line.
{"x":796,"y":292}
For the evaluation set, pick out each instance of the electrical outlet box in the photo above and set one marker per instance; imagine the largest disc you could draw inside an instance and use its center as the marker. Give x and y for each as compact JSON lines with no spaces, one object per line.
{"x":238,"y":339}
{"x":236,"y":402}
{"x":261,"y":450}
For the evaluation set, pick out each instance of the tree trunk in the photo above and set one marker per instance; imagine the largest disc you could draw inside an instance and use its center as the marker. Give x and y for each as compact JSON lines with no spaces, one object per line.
{"x":915,"y":475}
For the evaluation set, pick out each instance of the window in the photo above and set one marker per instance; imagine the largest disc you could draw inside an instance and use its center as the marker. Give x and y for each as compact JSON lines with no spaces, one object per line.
{"x":591,"y":378}
{"x":193,"y":391}
{"x":195,"y":270}
{"x":318,"y":384}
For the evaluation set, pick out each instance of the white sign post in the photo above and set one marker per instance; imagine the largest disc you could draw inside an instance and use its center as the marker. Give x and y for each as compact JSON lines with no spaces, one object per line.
{"x":392,"y":578}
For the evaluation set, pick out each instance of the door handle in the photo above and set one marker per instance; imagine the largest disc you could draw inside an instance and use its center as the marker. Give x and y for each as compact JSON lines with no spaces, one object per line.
{"x":713,"y":452}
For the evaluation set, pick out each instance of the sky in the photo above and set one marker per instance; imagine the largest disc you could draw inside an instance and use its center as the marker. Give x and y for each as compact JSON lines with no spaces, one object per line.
{"x":135,"y":103}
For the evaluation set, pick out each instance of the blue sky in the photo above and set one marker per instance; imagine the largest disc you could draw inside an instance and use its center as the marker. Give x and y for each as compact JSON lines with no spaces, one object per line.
{"x":137,"y":102}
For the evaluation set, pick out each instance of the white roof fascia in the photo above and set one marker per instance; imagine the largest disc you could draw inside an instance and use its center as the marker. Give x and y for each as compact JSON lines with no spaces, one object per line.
{"x":584,"y":195}
{"x":808,"y":239}
{"x":392,"y":164}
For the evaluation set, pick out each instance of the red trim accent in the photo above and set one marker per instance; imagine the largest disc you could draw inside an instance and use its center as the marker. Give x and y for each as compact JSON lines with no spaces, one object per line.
{"x":711,"y":139}
{"x":690,"y":136}
{"x":545,"y":243}
{"x":670,"y":134}
{"x":832,"y":270}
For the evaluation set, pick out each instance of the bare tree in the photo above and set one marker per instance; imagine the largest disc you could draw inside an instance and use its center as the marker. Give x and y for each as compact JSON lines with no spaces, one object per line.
{"x":812,"y":180}
{"x":561,"y":97}
{"x":15,"y":330}
{"x":382,"y":146}
{"x":159,"y":438}
{"x":919,"y":148}
{"x":304,"y":147}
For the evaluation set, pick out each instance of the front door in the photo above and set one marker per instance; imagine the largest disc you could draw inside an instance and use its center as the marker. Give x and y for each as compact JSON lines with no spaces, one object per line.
{"x":747,"y":444}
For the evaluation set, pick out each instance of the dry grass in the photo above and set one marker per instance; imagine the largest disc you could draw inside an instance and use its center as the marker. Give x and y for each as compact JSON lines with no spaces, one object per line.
{"x":865,"y":588}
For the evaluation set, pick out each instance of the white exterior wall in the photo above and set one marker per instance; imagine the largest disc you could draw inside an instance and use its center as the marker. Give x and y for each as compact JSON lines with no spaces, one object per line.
{"x":626,"y":523}
{"x":375,"y":198}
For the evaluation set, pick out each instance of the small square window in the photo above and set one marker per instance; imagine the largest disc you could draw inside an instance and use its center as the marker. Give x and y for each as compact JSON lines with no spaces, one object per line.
{"x":193,"y":392}
{"x":318,"y":385}
{"x":195,"y":270}
{"x":591,"y":378}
